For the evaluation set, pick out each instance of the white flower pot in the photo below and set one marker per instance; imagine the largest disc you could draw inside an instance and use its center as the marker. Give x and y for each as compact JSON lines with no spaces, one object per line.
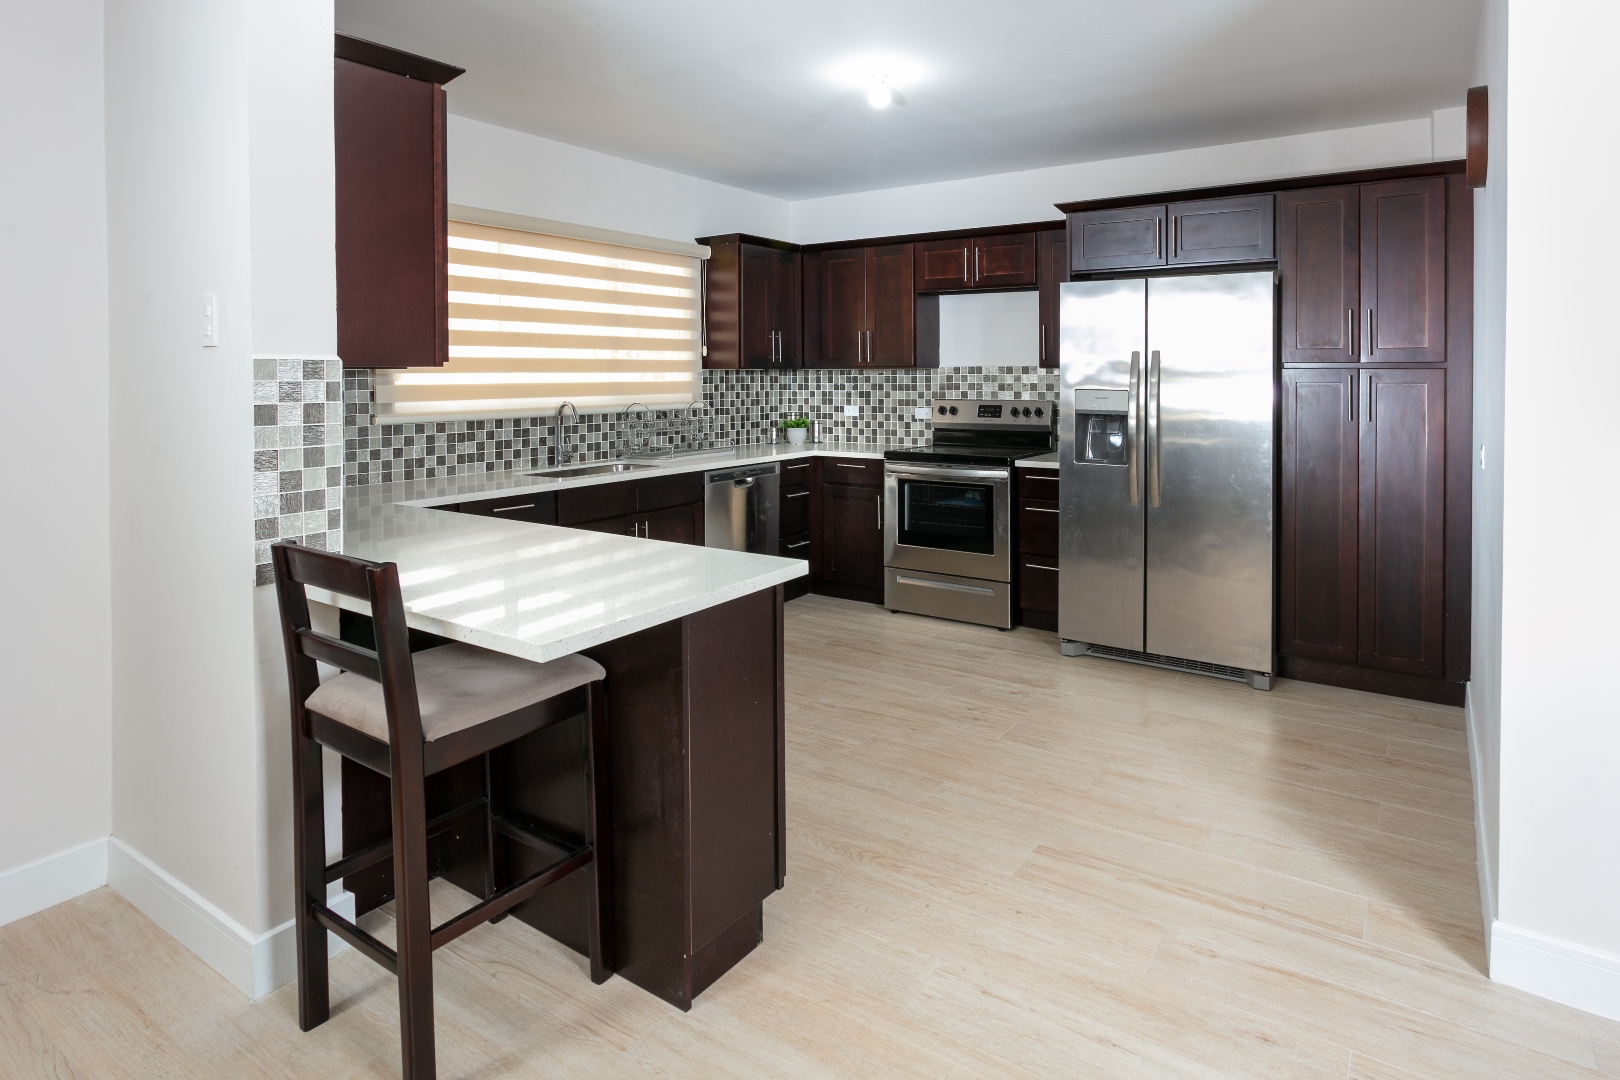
{"x":796,"y":435}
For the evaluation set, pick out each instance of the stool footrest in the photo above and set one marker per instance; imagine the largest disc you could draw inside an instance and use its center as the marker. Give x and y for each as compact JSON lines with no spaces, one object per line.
{"x":382,"y":849}
{"x":531,"y":837}
{"x":355,"y":936}
{"x":510,"y":896}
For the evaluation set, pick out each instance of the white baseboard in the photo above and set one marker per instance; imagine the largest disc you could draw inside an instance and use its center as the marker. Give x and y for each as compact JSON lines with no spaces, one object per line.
{"x":52,"y":880}
{"x":254,"y":963}
{"x":1558,"y":970}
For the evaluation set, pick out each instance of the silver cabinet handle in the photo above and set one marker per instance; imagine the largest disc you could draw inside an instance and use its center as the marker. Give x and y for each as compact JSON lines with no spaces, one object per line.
{"x":1172,"y":236}
{"x":1154,"y":450}
{"x":951,"y":585}
{"x":1350,"y":331}
{"x":797,"y":495}
{"x":847,"y":465}
{"x":1158,"y":243}
{"x":1130,"y":428}
{"x":1040,"y":510}
{"x":797,"y":544}
{"x":509,"y":509}
{"x":1369,"y":332}
{"x":975,"y":264}
{"x":1038,"y":566}
{"x":1043,"y":342}
{"x":964,"y":266}
{"x":880,"y":513}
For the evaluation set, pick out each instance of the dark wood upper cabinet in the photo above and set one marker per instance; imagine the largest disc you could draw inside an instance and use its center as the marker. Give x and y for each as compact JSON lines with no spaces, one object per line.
{"x":391,"y":247}
{"x":1052,"y":270}
{"x":868,"y":307}
{"x":1117,"y":239}
{"x":1317,"y":541}
{"x":1004,"y":262}
{"x":1319,"y":262}
{"x":752,"y":303}
{"x":1403,"y":519}
{"x":944,"y":264}
{"x":1222,"y":230}
{"x":1403,"y":271}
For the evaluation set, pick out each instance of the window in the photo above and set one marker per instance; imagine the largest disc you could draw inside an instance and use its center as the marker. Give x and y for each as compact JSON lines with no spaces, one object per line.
{"x":536,"y":320}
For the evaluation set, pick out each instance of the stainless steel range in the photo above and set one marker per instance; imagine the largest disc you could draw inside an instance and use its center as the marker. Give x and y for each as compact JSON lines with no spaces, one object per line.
{"x":948,"y":509}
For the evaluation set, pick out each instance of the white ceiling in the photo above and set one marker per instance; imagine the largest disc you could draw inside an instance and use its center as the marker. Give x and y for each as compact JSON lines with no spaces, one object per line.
{"x":745,"y":92}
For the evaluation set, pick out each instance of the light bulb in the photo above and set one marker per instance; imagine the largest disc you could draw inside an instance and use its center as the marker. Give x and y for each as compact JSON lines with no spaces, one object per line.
{"x":880,"y":96}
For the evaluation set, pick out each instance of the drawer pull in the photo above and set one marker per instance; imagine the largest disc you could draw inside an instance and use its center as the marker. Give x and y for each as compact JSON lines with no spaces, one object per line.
{"x":1038,"y":566}
{"x":508,"y":509}
{"x":846,"y":465}
{"x":1042,"y":510}
{"x":797,"y":495}
{"x":799,"y":544}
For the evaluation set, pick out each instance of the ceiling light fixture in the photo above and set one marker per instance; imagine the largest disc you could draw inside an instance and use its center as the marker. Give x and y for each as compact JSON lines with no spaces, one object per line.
{"x":880,"y":95}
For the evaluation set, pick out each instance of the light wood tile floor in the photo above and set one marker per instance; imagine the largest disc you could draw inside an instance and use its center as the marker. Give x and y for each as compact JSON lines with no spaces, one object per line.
{"x":1002,"y":862}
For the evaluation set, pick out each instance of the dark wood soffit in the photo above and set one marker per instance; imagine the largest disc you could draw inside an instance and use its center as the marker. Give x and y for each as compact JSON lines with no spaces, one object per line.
{"x":745,"y":238}
{"x":397,"y":61}
{"x":1479,"y":133}
{"x":944,"y":234}
{"x":1363,"y":176}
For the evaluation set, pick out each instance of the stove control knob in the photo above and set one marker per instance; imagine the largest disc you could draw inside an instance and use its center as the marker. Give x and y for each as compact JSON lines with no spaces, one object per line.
{"x":953,"y":410}
{"x":942,"y":410}
{"x":1039,"y":412}
{"x":1026,"y":410}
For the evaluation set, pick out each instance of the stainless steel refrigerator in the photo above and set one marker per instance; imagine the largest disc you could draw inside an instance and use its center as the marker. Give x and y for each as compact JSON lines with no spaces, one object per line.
{"x":1167,"y":436}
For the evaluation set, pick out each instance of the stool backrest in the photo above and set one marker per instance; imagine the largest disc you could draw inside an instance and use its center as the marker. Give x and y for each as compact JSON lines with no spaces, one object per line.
{"x":389,"y":664}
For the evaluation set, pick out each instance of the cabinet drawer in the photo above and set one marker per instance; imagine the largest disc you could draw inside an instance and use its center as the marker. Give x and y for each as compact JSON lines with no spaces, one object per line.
{"x":596,"y":502}
{"x":1038,"y":584}
{"x":795,"y":472}
{"x":540,"y":508}
{"x":663,"y":492}
{"x":1038,"y":484}
{"x":1113,"y":239}
{"x":795,"y":510}
{"x":1038,"y":528}
{"x":860,"y":472}
{"x":794,"y":547}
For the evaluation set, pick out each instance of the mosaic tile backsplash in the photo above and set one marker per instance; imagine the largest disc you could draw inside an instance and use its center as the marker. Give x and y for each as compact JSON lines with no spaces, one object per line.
{"x":297,"y":456}
{"x":742,"y":406}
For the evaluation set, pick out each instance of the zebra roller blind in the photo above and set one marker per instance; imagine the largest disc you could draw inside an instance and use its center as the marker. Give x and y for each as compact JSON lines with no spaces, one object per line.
{"x":536,"y":320}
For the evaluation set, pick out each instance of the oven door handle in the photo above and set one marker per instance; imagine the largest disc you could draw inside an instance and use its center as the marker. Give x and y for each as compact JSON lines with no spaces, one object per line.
{"x":945,"y":472}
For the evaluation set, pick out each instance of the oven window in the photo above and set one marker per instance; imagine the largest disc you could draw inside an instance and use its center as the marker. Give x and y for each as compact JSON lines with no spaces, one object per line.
{"x":949,"y":516}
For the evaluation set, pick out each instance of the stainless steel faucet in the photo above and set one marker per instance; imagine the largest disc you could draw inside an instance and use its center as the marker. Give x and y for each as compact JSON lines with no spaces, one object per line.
{"x":634,"y":440}
{"x":565,"y":451}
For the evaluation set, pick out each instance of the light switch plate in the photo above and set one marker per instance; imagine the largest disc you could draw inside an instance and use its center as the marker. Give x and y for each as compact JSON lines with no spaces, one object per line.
{"x":210,"y":320}
{"x":852,"y":410}
{"x":921,"y":412}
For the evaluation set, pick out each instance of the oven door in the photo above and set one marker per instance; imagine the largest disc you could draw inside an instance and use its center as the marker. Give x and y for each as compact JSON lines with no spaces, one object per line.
{"x":948,"y":519}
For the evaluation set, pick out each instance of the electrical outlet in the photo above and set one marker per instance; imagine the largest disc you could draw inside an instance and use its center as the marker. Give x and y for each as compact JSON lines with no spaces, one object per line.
{"x":921,"y":412}
{"x":210,"y":320}
{"x":852,"y":410}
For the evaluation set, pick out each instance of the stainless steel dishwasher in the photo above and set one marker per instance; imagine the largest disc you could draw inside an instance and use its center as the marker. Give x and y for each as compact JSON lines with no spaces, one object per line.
{"x":741,"y":508}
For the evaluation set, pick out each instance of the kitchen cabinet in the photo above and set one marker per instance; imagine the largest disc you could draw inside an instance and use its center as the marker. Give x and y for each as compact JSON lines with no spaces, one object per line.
{"x":666,"y":507}
{"x":1363,"y":273}
{"x":1402,"y":528}
{"x":752,"y":298}
{"x":1199,"y":232}
{"x":867,"y":304}
{"x":392,"y":252}
{"x":1317,"y":538}
{"x":1362,"y":530}
{"x":852,"y":539}
{"x":1037,"y":570}
{"x":795,"y":523}
{"x":977,"y":262}
{"x":539,"y":508}
{"x":1051,"y":271}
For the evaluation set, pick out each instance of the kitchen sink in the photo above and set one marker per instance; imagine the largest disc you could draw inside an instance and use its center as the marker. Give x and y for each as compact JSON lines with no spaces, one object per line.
{"x":591,"y":470}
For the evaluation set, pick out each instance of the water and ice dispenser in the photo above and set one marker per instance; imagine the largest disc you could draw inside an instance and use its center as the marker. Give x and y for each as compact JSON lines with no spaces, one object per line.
{"x":1100,"y":426}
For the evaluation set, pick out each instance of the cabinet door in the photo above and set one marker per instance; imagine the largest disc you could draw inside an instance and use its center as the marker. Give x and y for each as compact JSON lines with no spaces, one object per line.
{"x":1403,"y":271}
{"x":391,"y":247}
{"x":795,"y":510}
{"x":619,"y":526}
{"x":944,"y":264}
{"x":1052,"y":270}
{"x":1038,"y":583}
{"x":1231,"y":230}
{"x":1402,"y":587}
{"x":890,"y":307}
{"x":678,"y":524}
{"x":1115,"y":239}
{"x":1038,"y":527}
{"x":1319,"y":262}
{"x":852,"y":535}
{"x":1317,"y":533}
{"x":786,"y":307}
{"x":1002,"y":262}
{"x":596,"y":503}
{"x":843,"y":307}
{"x":758,"y":307}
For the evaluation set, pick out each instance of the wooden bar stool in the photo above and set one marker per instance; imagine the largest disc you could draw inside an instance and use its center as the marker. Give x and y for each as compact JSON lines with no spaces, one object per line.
{"x":408,"y":717}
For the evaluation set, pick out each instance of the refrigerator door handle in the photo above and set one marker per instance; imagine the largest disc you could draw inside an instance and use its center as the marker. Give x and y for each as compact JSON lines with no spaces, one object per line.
{"x":1153,"y":428}
{"x":1130,"y":428}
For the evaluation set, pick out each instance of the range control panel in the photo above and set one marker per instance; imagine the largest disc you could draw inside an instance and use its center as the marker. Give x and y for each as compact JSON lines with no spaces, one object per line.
{"x":977,"y":412}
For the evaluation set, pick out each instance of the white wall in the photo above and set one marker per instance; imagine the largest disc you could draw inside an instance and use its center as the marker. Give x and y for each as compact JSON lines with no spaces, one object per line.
{"x":1484,"y":706}
{"x":989,"y":329}
{"x":55,"y":644}
{"x":1558,"y":913}
{"x":184,"y":789}
{"x":1007,"y":198}
{"x":495,"y":168}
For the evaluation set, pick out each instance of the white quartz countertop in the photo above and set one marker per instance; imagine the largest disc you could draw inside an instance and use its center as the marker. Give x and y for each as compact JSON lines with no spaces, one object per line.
{"x":1039,"y":461}
{"x":543,"y":591}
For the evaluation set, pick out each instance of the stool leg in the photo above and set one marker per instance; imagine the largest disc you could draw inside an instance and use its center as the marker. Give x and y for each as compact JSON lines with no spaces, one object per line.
{"x":597,"y":790}
{"x":413,"y":924}
{"x":309,"y":874}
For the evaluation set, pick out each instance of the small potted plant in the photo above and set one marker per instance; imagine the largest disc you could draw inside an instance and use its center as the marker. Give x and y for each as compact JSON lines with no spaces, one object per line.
{"x":797,"y":428}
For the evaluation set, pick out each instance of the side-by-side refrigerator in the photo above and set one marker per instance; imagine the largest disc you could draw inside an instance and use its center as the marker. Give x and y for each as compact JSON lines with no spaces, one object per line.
{"x":1168,"y":471}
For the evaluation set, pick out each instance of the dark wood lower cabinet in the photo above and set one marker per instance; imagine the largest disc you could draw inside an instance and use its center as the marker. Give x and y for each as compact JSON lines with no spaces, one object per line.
{"x":851,"y":548}
{"x":1317,"y":556}
{"x":1036,"y":572}
{"x":1403,"y":520}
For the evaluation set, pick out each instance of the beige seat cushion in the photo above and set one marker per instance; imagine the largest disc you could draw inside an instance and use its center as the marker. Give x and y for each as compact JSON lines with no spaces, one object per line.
{"x":458,"y":686}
